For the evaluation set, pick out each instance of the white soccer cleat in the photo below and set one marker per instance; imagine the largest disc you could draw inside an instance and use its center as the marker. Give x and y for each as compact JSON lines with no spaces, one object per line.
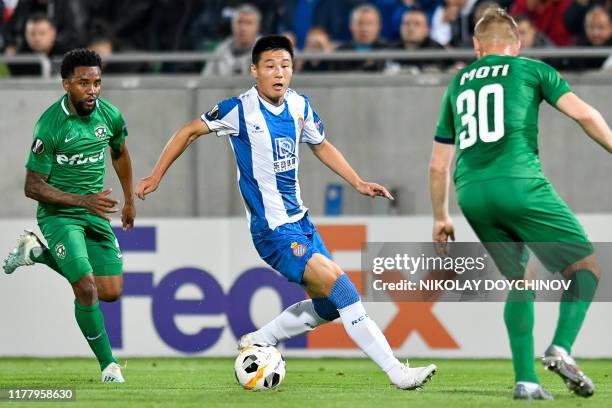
{"x":112,"y":373}
{"x":20,"y":255}
{"x":248,"y":340}
{"x":415,"y":378}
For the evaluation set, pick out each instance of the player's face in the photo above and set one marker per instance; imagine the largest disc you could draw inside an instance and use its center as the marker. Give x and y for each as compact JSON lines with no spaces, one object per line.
{"x":83,"y":88}
{"x":273,"y":74}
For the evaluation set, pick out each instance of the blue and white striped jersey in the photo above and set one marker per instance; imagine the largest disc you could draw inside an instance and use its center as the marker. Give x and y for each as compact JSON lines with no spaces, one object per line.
{"x":265,"y":140}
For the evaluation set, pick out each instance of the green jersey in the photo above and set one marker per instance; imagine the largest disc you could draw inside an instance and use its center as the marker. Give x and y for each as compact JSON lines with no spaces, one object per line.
{"x":70,"y":150}
{"x":490,"y":112}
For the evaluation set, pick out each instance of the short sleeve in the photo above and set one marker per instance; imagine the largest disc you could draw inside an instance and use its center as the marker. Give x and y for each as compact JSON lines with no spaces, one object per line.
{"x":40,"y":158}
{"x":445,"y":129}
{"x":552,"y":84}
{"x":224,"y":118}
{"x":313,"y":132}
{"x":120,"y":132}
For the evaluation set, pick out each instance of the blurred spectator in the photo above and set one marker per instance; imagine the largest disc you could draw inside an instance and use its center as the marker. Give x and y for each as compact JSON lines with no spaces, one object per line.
{"x":212,"y":20}
{"x":451,"y":23}
{"x":234,"y":53}
{"x":41,"y":38}
{"x":548,"y":17}
{"x":317,"y":40}
{"x":391,"y":12}
{"x":68,"y":17}
{"x":298,"y":16}
{"x":104,"y":45}
{"x":598,"y":30}
{"x":365,"y":28}
{"x":529,"y":36}
{"x":575,"y":13}
{"x":415,"y":36}
{"x":291,"y":37}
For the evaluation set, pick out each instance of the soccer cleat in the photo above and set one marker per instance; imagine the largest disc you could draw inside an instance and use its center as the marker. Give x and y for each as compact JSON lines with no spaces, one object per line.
{"x":112,"y":373}
{"x":20,"y":255}
{"x":558,"y":361}
{"x":248,"y":340}
{"x":415,"y":378}
{"x":521,"y":392}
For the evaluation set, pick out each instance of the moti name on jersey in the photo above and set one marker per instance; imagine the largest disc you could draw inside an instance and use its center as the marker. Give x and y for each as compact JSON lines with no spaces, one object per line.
{"x":78,"y":159}
{"x":484,"y":72}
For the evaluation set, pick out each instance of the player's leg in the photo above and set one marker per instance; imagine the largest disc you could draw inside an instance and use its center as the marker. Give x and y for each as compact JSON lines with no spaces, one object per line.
{"x":492,"y":216}
{"x":324,"y":278}
{"x":288,"y":250}
{"x":564,"y":247}
{"x":105,"y":258}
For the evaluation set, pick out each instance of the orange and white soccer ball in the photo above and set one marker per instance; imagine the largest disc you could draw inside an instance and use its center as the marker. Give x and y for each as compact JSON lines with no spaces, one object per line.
{"x":260,"y":367}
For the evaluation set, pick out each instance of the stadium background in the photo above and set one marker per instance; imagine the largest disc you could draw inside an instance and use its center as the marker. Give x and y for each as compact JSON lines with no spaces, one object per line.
{"x":192,"y":243}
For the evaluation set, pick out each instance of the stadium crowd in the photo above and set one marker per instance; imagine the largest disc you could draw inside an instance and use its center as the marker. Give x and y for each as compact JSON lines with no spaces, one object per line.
{"x":229,"y":28}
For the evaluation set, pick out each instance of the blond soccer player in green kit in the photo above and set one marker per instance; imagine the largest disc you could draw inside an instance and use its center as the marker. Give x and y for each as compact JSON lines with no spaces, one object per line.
{"x":65,"y":174}
{"x":489,"y":116}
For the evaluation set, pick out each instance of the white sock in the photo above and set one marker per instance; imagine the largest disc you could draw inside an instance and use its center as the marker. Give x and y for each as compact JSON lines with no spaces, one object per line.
{"x":297,"y":319}
{"x":368,"y":337}
{"x":530,"y":386}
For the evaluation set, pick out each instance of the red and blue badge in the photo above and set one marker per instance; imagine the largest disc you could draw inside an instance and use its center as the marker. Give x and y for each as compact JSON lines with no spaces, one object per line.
{"x":298,"y":249}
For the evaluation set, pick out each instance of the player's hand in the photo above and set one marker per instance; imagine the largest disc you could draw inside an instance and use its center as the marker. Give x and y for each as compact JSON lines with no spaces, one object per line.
{"x":442,"y":231}
{"x":373,"y":190}
{"x":146,"y":186}
{"x":128,"y":214}
{"x":100,"y":203}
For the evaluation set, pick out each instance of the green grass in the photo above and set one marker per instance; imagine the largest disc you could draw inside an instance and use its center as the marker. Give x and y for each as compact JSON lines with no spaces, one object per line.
{"x":207,"y":382}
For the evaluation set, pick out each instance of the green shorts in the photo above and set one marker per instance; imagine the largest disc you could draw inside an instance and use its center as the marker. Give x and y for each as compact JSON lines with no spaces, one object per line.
{"x":510,"y":215}
{"x":82,"y":244}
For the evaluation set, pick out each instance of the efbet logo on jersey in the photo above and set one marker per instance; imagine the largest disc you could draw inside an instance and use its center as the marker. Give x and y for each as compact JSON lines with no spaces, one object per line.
{"x":79,"y":159}
{"x":285,"y":155}
{"x":298,"y":249}
{"x":100,"y":132}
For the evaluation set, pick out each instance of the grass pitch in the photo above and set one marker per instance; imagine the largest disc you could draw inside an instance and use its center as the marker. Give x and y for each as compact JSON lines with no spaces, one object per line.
{"x":209,"y":382}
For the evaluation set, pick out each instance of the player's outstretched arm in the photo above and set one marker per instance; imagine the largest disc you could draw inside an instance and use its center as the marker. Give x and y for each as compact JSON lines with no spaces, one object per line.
{"x":173,"y":149}
{"x":439,"y":182}
{"x":588,"y":118}
{"x":332,"y":158}
{"x":122,"y":163}
{"x":37,"y":188}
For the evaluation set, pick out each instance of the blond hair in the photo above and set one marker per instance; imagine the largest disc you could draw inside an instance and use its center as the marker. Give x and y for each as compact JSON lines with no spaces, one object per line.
{"x":496,"y":26}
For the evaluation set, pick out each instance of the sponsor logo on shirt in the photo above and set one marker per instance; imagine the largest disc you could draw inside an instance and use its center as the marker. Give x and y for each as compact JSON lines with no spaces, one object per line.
{"x":285,"y":153}
{"x":79,"y":159}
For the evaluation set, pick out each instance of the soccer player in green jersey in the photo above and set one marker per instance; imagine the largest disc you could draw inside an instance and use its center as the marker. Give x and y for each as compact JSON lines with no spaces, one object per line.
{"x":65,"y":174}
{"x":489,"y":116}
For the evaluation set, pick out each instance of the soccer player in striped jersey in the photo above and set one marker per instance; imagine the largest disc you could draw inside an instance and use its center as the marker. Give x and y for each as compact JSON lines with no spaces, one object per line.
{"x":265,"y":126}
{"x":489,"y":115}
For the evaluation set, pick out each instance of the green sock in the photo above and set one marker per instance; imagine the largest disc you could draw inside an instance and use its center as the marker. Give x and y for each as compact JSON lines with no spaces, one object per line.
{"x":575,"y":302}
{"x":91,"y":322}
{"x":518,"y":316}
{"x":46,"y":258}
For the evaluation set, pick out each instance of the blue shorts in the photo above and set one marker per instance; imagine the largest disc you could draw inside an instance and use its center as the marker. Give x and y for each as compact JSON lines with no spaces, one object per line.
{"x":289,"y":247}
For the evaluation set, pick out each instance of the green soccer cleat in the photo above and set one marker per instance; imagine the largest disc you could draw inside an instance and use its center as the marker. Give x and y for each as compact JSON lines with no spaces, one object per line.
{"x":522,"y":392}
{"x":20,"y":255}
{"x":557,"y":360}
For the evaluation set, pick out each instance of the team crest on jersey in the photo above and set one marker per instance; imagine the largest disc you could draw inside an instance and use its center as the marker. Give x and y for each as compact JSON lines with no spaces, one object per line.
{"x":38,"y":146}
{"x":298,"y":249}
{"x":60,"y":251}
{"x":100,"y":132}
{"x":213,"y":114}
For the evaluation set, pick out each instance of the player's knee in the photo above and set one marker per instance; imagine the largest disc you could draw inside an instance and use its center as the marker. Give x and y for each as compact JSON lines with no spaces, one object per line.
{"x":85,"y":290}
{"x":589,"y":263}
{"x":110,"y":295}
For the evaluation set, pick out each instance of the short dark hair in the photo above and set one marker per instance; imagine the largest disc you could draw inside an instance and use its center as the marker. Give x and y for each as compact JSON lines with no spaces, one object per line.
{"x":39,"y":16}
{"x":269,"y":43}
{"x":80,"y":57}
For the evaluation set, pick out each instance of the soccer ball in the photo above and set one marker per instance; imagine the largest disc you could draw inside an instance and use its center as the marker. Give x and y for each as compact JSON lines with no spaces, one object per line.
{"x":259,"y":367}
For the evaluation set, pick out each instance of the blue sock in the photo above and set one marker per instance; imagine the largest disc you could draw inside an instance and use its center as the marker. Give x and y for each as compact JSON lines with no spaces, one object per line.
{"x":343,"y":293}
{"x":325,"y":309}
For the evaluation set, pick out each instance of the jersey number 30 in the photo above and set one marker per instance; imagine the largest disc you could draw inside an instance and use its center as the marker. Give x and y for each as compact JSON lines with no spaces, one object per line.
{"x":480,"y":127}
